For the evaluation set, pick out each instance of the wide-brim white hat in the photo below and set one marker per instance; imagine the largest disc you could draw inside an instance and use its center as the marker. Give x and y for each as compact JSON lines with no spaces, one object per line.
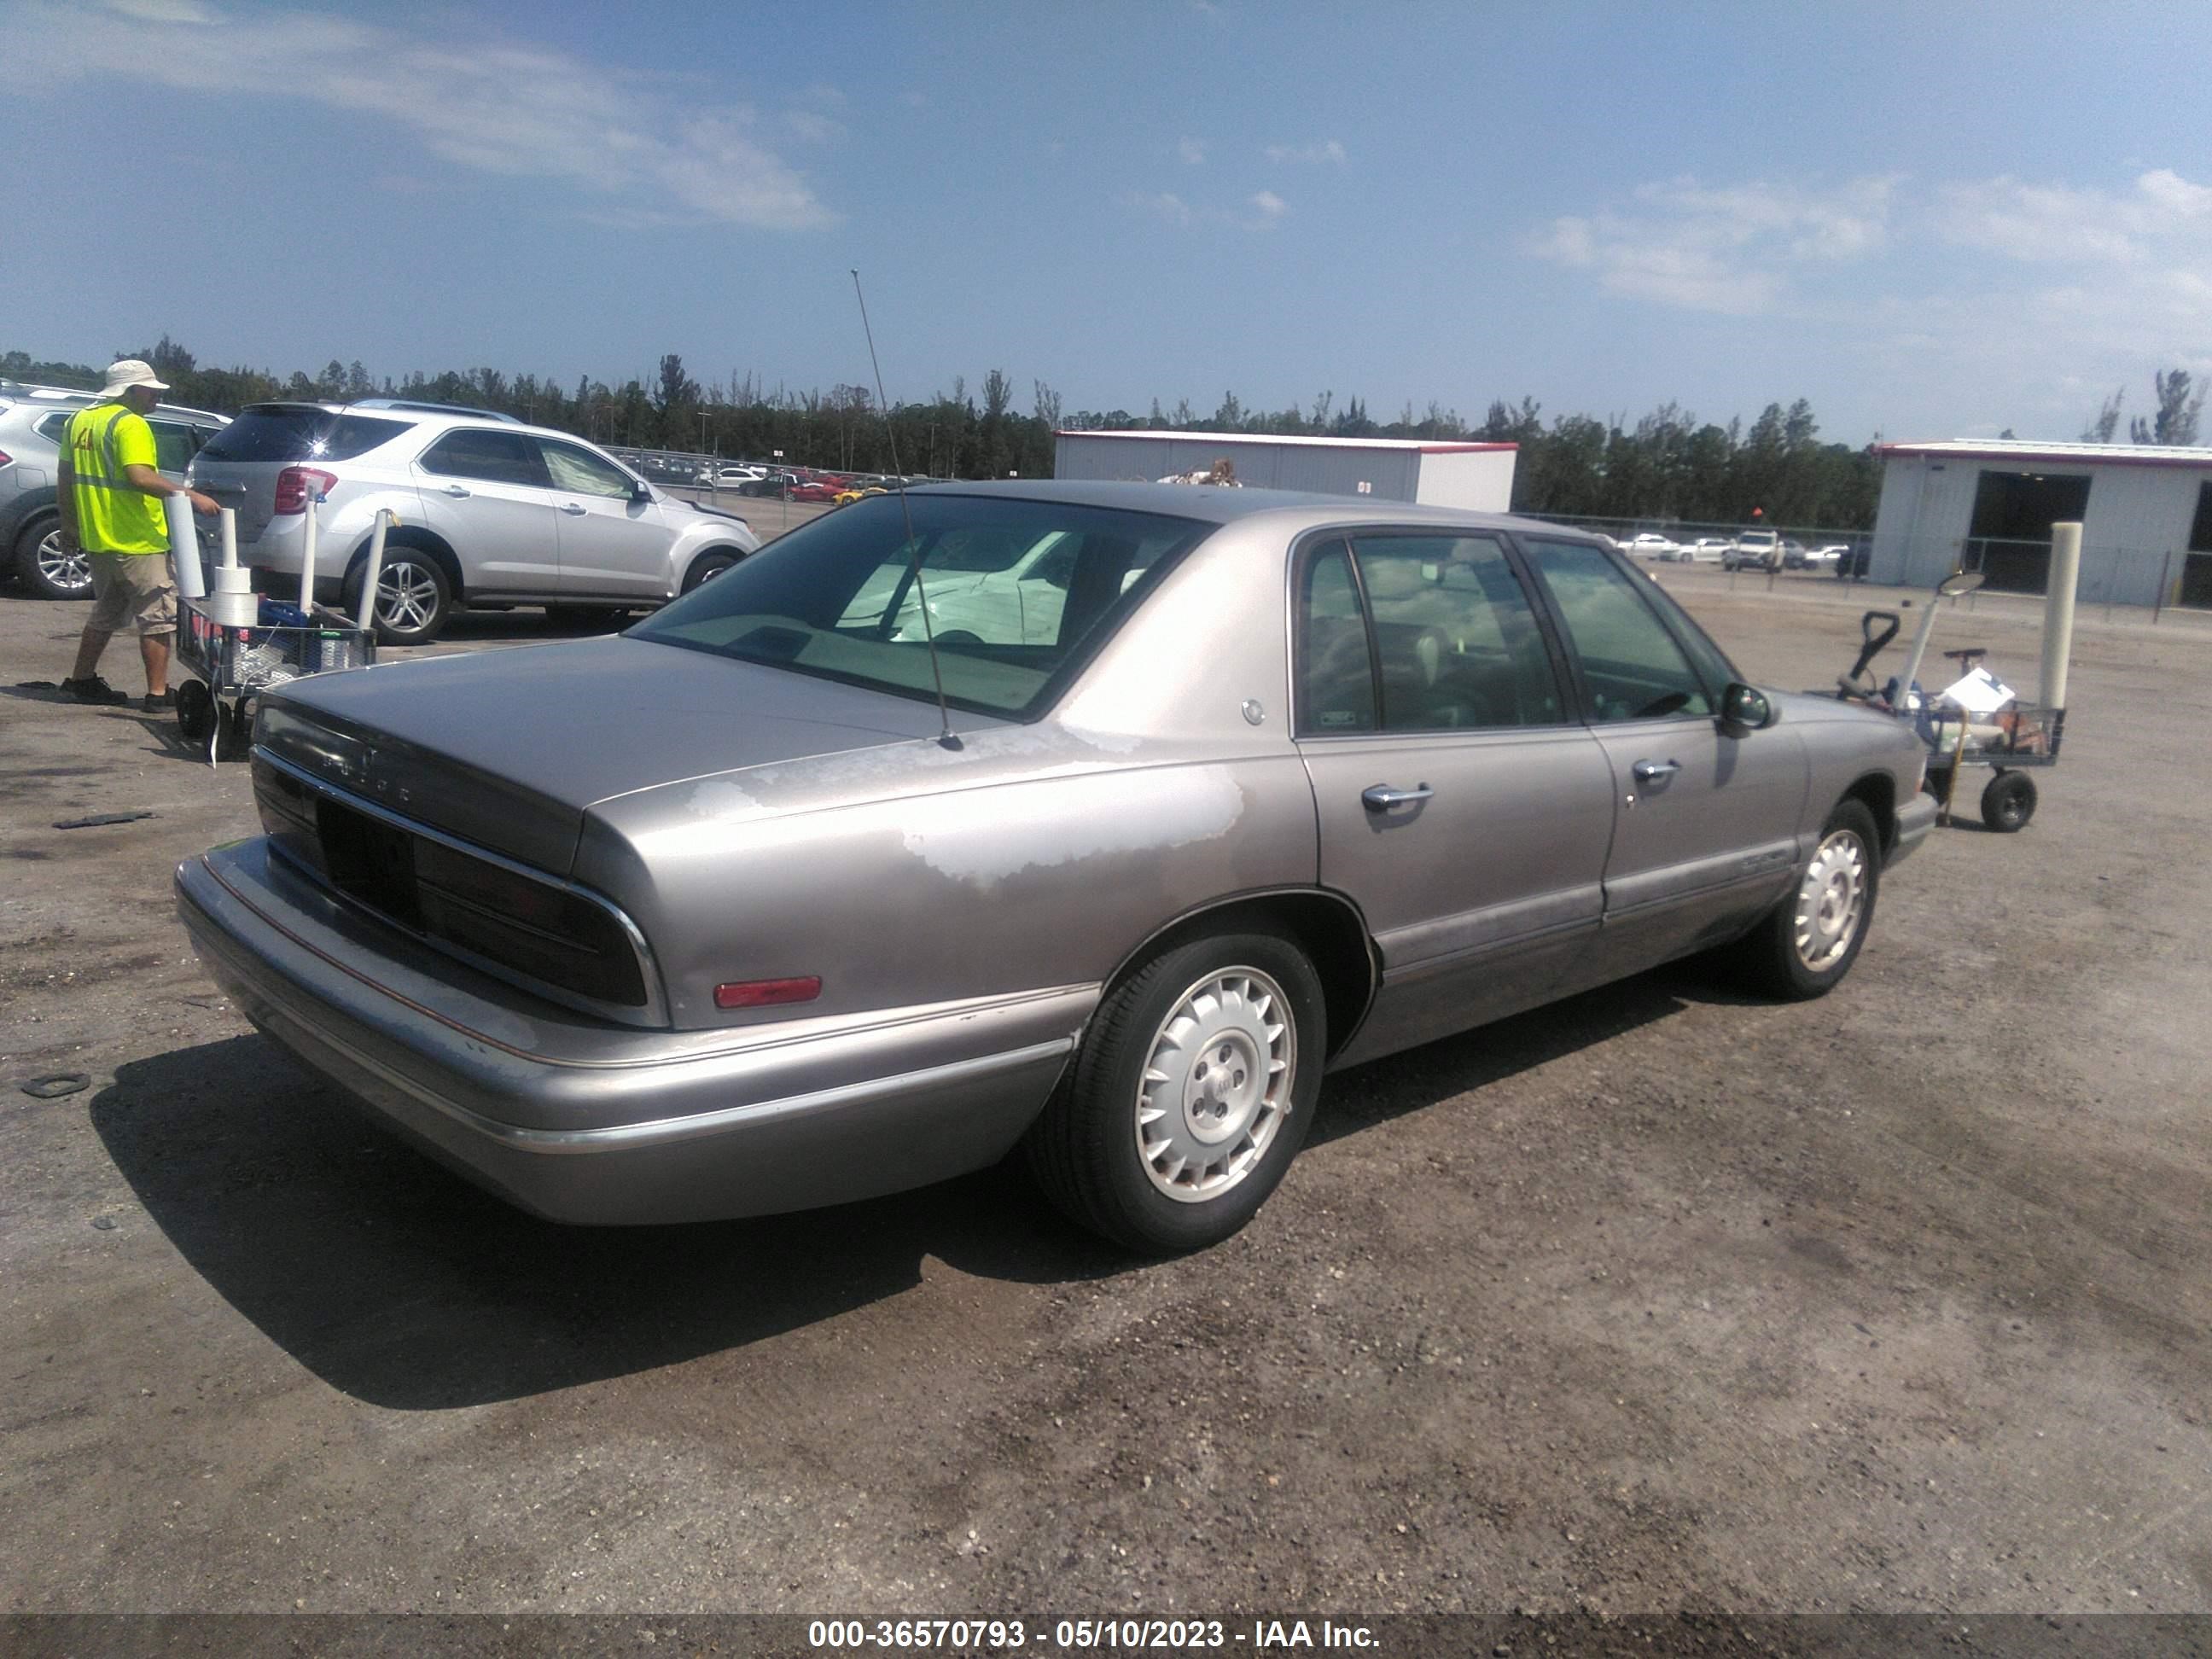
{"x":132,"y":371}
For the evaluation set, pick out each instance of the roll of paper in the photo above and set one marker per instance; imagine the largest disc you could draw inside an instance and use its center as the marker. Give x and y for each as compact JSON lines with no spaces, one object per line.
{"x":185,"y":547}
{"x":233,"y":610}
{"x":231,"y":579}
{"x":228,"y":518}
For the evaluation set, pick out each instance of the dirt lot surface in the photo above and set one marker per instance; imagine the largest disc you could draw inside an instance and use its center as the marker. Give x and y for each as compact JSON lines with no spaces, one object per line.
{"x":1657,"y":1299}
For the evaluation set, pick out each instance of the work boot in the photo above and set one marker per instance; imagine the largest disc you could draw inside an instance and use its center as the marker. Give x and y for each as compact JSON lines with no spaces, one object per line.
{"x":93,"y":689}
{"x":163,"y":701}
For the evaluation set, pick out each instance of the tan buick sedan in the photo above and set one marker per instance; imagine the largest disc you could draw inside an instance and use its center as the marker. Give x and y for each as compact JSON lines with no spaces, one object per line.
{"x":1100,"y":819}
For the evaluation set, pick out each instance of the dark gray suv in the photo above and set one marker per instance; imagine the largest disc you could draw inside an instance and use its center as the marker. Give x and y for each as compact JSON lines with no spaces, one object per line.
{"x":31,"y":422}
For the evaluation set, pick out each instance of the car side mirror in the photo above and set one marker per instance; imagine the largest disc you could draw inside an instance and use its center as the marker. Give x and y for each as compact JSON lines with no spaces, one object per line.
{"x":1745,"y":709}
{"x":640,"y":491}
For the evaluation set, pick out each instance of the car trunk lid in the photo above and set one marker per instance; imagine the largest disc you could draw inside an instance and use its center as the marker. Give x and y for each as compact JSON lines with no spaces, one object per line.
{"x":509,"y":748}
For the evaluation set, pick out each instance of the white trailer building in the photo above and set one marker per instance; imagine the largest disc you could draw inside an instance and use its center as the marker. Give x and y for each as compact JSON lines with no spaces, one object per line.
{"x":2145,"y":512}
{"x":1468,"y":475}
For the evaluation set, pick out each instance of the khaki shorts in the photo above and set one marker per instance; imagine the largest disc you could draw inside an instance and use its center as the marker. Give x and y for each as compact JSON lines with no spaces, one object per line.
{"x":133,"y":587}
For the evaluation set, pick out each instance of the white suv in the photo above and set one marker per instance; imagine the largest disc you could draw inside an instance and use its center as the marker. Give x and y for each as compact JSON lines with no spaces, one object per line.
{"x":490,"y":512}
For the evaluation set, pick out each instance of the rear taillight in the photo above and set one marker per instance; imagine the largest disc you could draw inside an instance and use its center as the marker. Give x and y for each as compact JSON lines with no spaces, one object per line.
{"x":5,"y":457}
{"x":294,"y":484}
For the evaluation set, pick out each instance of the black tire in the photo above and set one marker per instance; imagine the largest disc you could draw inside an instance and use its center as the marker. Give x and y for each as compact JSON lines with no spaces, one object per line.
{"x":1802,"y":948}
{"x":2008,"y":803}
{"x":1085,"y":1150}
{"x":44,"y":569}
{"x":415,"y":597}
{"x":709,"y":565}
{"x":197,"y":713}
{"x":236,"y":740}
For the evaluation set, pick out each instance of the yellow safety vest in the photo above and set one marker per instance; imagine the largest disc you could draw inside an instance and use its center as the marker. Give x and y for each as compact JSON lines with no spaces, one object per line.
{"x":112,"y":517}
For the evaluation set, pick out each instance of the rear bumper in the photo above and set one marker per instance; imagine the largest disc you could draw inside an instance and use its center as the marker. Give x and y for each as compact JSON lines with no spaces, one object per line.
{"x":1914,"y":820}
{"x":583,"y":1122}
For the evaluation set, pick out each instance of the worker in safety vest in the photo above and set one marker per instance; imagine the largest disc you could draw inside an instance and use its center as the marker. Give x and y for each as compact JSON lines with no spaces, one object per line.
{"x":111,"y":497}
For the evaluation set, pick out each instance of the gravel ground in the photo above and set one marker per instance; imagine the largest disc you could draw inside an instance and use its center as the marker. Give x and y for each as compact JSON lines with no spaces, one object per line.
{"x":1659,"y":1299}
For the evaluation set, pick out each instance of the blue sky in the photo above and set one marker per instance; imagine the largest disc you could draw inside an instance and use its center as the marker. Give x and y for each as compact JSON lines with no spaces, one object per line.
{"x":1930,"y":221}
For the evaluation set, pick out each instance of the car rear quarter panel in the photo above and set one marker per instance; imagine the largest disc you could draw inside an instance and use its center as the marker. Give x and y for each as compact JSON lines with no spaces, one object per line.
{"x":1032,"y":856}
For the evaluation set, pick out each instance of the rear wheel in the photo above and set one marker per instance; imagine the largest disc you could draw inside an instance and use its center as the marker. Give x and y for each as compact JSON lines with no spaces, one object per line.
{"x":1194,"y":1088}
{"x":1807,"y":942}
{"x":414,"y":598}
{"x":46,"y":568}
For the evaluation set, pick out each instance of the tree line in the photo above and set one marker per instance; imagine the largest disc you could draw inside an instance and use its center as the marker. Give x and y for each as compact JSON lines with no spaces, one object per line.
{"x":1668,"y":467}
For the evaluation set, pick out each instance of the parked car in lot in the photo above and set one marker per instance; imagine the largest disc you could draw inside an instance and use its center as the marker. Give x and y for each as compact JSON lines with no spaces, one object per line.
{"x":1705,"y":550}
{"x":765,"y":904}
{"x":31,"y":419}
{"x":1824,"y":558}
{"x":1651,"y":545}
{"x":815,"y":490}
{"x":1753,"y":550}
{"x":1793,"y":554}
{"x":490,"y":512}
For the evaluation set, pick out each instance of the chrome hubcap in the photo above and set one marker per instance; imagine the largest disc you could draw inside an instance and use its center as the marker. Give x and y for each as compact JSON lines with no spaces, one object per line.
{"x":406,"y":597}
{"x":1217,"y":1084}
{"x":61,"y":567}
{"x":1830,"y":901}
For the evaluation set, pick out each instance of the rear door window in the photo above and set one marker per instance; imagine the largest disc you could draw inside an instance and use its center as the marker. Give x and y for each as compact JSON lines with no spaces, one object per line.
{"x":1456,"y":634}
{"x":1336,"y":671}
{"x":173,"y":444}
{"x":488,"y":456}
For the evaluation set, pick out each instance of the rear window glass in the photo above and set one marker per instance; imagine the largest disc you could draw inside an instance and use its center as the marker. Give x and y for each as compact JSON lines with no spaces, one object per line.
{"x":1020,"y":595}
{"x":299,"y":435}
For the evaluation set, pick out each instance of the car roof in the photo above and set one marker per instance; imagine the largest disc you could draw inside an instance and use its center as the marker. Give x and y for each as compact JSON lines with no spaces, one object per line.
{"x":420,"y":415}
{"x":1213,"y":504}
{"x":72,"y":397}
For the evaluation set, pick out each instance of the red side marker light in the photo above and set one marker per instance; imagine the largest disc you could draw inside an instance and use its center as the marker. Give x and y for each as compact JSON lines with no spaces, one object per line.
{"x":767,"y":992}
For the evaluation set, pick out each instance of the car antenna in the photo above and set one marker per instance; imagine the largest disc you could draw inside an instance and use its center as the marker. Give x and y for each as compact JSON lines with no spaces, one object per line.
{"x":946,"y":738}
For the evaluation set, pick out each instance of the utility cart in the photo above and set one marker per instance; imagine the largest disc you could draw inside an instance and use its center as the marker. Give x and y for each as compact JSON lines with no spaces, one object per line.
{"x":1977,"y":721}
{"x":2010,"y":742}
{"x":233,"y":663}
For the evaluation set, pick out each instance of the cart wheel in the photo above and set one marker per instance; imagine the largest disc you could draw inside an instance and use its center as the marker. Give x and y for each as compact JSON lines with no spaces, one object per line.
{"x":2008,"y":802}
{"x":237,"y":739}
{"x":195,"y":711}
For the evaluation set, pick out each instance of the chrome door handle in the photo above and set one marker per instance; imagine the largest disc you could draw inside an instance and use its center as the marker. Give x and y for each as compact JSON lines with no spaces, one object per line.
{"x":457,"y":492}
{"x":1651,"y":771}
{"x":571,"y":508}
{"x":1382,"y":797}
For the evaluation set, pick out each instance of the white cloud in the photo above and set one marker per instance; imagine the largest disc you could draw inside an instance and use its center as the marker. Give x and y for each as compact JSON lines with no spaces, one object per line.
{"x":1329,"y":151}
{"x":1192,"y":151}
{"x":1168,"y":206}
{"x":164,"y":11}
{"x":2059,"y":224}
{"x":515,"y":110}
{"x":1267,"y":209}
{"x":1724,"y":249}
